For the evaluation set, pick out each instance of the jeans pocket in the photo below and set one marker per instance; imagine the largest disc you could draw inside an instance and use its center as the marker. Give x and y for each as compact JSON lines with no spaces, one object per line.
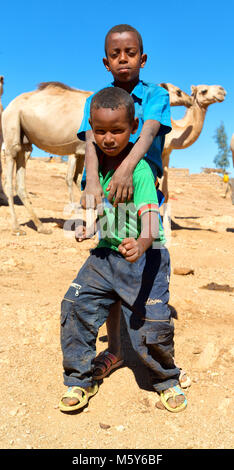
{"x":160,"y":333}
{"x":66,"y":306}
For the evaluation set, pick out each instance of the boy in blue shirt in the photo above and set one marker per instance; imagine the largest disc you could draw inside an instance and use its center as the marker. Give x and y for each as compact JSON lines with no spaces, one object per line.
{"x":123,"y":267}
{"x":124,"y":59}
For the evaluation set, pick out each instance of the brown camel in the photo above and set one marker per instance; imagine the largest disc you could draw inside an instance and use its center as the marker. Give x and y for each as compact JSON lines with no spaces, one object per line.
{"x":49,"y":118}
{"x":186,"y":131}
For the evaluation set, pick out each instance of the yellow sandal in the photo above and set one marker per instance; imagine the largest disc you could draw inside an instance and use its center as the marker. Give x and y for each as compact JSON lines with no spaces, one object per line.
{"x":72,"y":392}
{"x":173,"y":392}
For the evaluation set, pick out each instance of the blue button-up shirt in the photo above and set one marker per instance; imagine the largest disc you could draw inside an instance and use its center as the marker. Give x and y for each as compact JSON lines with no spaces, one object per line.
{"x":151,"y":102}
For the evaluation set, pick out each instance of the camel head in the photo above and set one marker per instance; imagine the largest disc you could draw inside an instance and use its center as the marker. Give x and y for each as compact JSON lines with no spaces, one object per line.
{"x":205,"y":95}
{"x":177,"y":96}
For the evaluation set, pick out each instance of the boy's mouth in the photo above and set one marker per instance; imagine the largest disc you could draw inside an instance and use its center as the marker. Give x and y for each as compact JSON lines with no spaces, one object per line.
{"x":124,"y":69}
{"x":109,"y":149}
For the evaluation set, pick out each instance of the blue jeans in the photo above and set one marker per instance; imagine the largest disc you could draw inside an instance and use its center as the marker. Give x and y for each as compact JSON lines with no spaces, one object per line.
{"x":143,"y":288}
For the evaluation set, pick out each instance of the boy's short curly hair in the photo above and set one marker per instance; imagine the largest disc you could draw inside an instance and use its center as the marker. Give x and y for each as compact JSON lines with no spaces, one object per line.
{"x":113,"y":98}
{"x":122,"y":28}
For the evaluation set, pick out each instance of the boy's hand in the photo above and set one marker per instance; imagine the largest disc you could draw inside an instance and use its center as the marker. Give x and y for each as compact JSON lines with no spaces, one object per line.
{"x":130,"y":249}
{"x":83,"y":233}
{"x":91,"y":197}
{"x":80,"y":233}
{"x":120,"y":186}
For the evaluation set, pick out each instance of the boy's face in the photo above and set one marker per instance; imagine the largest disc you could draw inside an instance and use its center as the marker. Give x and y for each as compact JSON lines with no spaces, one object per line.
{"x":112,"y":129}
{"x":124,"y":59}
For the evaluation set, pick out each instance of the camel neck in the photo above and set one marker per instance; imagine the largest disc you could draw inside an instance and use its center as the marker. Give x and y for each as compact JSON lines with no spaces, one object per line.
{"x":186,"y":130}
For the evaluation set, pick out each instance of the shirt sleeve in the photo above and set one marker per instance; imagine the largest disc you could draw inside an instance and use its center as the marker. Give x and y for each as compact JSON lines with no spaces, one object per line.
{"x":157,"y":107}
{"x":85,"y":126}
{"x":145,"y":194}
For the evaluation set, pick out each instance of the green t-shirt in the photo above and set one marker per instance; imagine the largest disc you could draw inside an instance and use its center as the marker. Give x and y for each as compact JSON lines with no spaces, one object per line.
{"x":124,"y":221}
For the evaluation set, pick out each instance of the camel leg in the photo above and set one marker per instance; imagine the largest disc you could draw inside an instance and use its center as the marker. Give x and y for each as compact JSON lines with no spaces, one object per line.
{"x":3,"y":197}
{"x":9,"y":191}
{"x":71,"y":168}
{"x":22,"y":192}
{"x":79,"y":170}
{"x":165,"y":160}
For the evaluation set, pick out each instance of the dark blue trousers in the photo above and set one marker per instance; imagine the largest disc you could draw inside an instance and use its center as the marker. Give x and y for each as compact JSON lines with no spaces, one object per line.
{"x":143,"y":288}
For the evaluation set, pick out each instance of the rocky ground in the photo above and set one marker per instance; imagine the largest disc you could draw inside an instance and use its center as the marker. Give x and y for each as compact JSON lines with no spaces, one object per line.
{"x":35,"y":272}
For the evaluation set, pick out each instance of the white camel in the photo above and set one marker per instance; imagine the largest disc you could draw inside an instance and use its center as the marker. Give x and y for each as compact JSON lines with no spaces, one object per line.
{"x":49,"y":118}
{"x":186,"y":131}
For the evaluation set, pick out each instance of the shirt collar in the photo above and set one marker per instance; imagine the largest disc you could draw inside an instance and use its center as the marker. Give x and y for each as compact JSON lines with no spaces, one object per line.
{"x":137,"y":91}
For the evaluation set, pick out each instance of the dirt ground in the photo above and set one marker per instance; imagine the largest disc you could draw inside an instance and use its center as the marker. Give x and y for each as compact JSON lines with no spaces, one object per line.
{"x":35,"y":272}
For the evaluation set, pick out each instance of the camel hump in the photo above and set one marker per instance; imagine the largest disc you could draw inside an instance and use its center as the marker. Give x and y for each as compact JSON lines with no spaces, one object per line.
{"x":43,"y":85}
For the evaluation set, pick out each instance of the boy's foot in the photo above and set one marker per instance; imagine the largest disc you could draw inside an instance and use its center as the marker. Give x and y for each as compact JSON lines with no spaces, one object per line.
{"x":77,"y":397}
{"x":104,"y":363}
{"x":184,"y":379}
{"x":173,"y":399}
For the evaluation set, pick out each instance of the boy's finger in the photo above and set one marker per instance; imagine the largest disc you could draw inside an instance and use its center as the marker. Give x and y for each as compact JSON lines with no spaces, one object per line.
{"x":99,"y":205}
{"x":124,"y":196}
{"x":111,"y":192}
{"x":90,"y":201}
{"x":130,"y":252}
{"x":130,"y":193}
{"x":118,"y":197}
{"x":128,"y":240}
{"x":122,"y":250}
{"x":131,"y":259}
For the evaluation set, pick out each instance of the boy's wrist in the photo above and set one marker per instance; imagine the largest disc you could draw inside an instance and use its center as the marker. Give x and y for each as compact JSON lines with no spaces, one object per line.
{"x":129,"y":164}
{"x":144,"y":243}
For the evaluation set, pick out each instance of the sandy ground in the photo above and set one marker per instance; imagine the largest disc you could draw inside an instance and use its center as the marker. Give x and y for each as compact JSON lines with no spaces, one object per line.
{"x":35,"y":272}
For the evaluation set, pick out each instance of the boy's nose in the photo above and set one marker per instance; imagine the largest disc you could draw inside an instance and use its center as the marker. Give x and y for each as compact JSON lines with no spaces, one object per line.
{"x":108,"y":139}
{"x":123,"y":57}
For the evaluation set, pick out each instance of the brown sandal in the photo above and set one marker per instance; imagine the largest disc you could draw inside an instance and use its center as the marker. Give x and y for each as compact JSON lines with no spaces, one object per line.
{"x":104,"y":363}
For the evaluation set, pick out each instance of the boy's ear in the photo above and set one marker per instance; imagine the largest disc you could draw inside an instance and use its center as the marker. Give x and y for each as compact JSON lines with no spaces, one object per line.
{"x":143,"y":60}
{"x":135,"y":125}
{"x":106,"y":63}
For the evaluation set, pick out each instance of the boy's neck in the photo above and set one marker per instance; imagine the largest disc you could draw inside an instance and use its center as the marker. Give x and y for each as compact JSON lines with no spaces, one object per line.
{"x":111,"y":163}
{"x":127,"y":86}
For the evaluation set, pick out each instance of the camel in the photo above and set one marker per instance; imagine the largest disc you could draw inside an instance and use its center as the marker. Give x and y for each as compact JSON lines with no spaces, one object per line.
{"x":49,"y":118}
{"x":3,"y":198}
{"x":186,"y":131}
{"x":232,"y":148}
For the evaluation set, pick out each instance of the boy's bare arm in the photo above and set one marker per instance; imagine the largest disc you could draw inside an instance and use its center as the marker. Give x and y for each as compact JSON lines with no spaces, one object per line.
{"x":132,"y":249}
{"x":121,"y":184}
{"x":92,"y":195}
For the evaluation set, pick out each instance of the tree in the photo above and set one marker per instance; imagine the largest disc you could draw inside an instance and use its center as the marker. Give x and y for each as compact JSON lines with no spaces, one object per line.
{"x":221,"y":160}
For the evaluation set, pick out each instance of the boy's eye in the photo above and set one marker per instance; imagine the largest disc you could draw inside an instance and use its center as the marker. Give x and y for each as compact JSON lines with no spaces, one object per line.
{"x":99,"y":132}
{"x":117,"y":131}
{"x":113,"y":54}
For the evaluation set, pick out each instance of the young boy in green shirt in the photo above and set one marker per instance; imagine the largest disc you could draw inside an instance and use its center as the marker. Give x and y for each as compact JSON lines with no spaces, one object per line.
{"x":126,"y":266}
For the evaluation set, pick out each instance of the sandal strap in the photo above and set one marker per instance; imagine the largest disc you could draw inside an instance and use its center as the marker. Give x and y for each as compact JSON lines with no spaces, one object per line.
{"x":71,"y":393}
{"x":173,"y":392}
{"x":105,"y":360}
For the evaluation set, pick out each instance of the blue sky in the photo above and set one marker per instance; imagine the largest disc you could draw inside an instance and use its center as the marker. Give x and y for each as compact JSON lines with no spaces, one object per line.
{"x":187,"y":43}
